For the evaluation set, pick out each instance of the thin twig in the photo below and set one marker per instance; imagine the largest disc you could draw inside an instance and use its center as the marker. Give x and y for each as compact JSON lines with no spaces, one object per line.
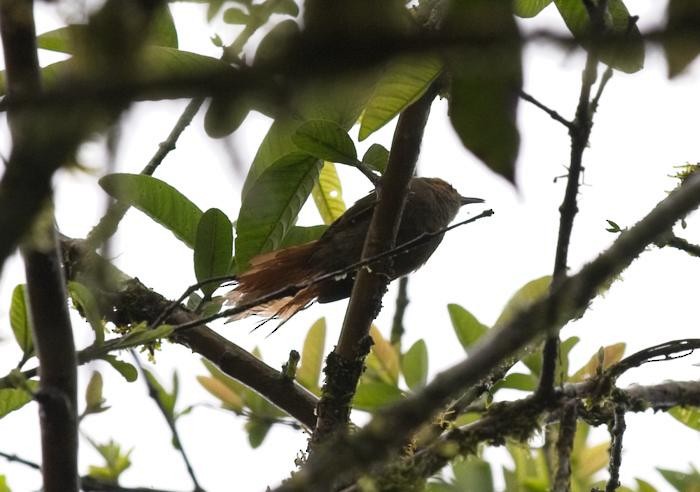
{"x":553,"y":114}
{"x":579,"y":131}
{"x":108,"y":224}
{"x":679,"y":243}
{"x":177,"y":442}
{"x":565,"y":445}
{"x":617,"y":430}
{"x":397,"y":328}
{"x":13,"y":458}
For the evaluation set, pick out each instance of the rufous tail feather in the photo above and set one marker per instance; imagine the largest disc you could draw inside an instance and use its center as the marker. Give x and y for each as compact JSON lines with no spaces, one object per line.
{"x":270,"y":272}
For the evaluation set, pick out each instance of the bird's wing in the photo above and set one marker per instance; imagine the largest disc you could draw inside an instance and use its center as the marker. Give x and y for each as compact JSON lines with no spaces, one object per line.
{"x":360,"y":211}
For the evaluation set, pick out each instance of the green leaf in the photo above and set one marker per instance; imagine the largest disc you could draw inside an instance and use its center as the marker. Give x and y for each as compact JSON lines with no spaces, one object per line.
{"x":66,"y":39}
{"x":644,"y":486}
{"x":94,"y":401}
{"x":689,"y":416}
{"x":473,"y":474}
{"x":213,"y":248}
{"x":466,"y":326}
{"x":157,"y":199}
{"x":3,"y":484}
{"x":564,"y":350}
{"x":230,"y":399}
{"x":486,"y":77}
{"x":12,"y":399}
{"x":603,"y":359}
{"x":139,"y":335}
{"x":523,"y":298}
{"x":328,"y":194}
{"x":116,"y":462}
{"x":414,"y":365}
{"x":529,"y":8}
{"x":682,"y":40}
{"x":155,"y":65}
{"x":683,"y":482}
{"x":19,"y":321}
{"x":623,"y":45}
{"x":235,"y":15}
{"x":87,"y":304}
{"x":591,"y":460}
{"x":519,"y":381}
{"x":309,"y":370}
{"x":163,"y":32}
{"x":302,"y":235}
{"x":270,"y":208}
{"x":375,"y":394}
{"x":383,"y":358}
{"x":376,"y":157}
{"x":62,"y":39}
{"x":403,"y":82}
{"x":127,"y":371}
{"x":325,"y":140}
{"x":257,"y":430}
{"x":167,"y":400}
{"x":224,"y":116}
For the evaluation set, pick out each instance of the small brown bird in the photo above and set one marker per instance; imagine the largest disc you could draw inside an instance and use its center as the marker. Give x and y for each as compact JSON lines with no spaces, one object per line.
{"x":430,"y":206}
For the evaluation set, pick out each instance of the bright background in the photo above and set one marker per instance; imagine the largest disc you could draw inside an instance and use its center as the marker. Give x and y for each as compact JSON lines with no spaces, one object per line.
{"x":645,"y":126}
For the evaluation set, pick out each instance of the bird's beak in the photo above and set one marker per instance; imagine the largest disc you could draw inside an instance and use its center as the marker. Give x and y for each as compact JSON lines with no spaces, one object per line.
{"x":465,"y":200}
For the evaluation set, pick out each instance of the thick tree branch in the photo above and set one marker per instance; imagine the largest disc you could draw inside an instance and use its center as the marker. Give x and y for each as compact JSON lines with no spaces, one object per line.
{"x":124,"y":299}
{"x":388,"y":429}
{"x":498,"y":424}
{"x":46,"y":292}
{"x":345,"y":363}
{"x":565,"y":445}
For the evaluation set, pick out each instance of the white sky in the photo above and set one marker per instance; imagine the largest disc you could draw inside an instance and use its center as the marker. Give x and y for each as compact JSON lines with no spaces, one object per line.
{"x":644,"y":127}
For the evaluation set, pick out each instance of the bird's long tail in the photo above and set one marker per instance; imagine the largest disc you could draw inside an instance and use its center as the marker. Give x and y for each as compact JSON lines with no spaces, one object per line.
{"x":271,"y":272}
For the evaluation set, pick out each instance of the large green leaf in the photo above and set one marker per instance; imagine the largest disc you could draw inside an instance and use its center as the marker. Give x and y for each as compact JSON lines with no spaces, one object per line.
{"x":213,"y":248}
{"x":468,"y":329}
{"x":529,"y":8}
{"x":682,"y":41}
{"x":486,"y":77}
{"x":19,"y":321}
{"x":623,"y":46}
{"x":325,"y":140}
{"x":312,"y":356}
{"x":328,"y":194}
{"x":414,"y":365}
{"x":271,"y":207}
{"x":401,"y":84}
{"x":65,"y":39}
{"x":157,"y":199}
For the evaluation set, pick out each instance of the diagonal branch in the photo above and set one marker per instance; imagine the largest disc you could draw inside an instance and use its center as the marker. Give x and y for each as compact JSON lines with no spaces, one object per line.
{"x":344,"y":365}
{"x":125,"y":299}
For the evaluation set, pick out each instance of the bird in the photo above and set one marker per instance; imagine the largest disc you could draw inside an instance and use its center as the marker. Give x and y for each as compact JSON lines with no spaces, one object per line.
{"x":431,"y":204}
